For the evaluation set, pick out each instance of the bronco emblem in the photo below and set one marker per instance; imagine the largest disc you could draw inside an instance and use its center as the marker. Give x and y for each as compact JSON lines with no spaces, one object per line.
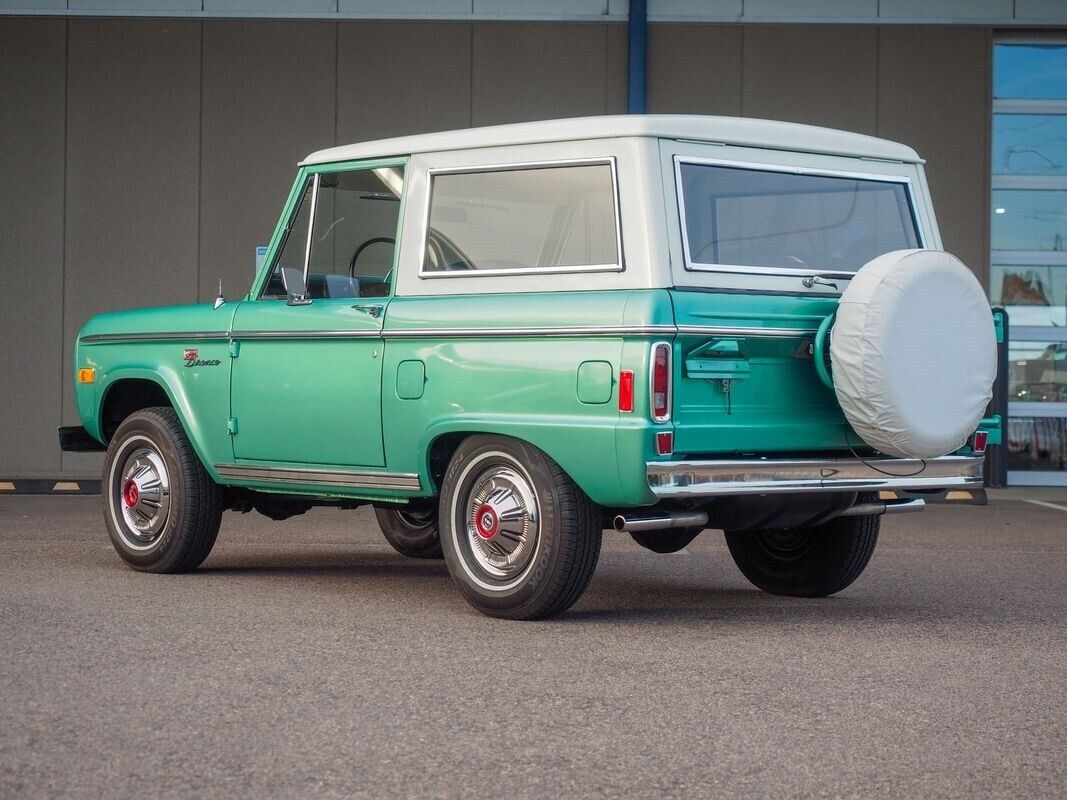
{"x":192,"y":359}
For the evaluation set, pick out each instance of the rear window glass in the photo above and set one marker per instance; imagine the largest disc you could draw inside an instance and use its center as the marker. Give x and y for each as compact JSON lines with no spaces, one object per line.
{"x":522,"y":220}
{"x":784,"y":220}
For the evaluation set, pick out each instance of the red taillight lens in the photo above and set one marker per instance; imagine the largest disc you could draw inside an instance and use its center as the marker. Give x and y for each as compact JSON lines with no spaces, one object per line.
{"x":981,"y":438}
{"x":661,"y":382}
{"x":626,"y":390}
{"x":664,"y":443}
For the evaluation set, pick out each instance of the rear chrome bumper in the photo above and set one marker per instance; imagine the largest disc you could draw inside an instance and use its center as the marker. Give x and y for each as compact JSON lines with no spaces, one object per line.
{"x":669,"y":479}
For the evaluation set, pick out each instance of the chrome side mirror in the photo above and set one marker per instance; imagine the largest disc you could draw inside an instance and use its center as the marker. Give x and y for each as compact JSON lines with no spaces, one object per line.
{"x":296,"y":291}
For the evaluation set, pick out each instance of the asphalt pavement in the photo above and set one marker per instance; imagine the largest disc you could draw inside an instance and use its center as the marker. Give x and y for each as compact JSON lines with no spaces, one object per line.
{"x":307,"y":659}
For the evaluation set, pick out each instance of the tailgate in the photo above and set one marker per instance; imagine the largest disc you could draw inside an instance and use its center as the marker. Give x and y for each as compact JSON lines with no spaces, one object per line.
{"x":745,"y":378}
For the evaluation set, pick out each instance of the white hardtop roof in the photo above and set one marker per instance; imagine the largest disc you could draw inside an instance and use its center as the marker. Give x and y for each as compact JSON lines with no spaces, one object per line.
{"x":721,"y":130}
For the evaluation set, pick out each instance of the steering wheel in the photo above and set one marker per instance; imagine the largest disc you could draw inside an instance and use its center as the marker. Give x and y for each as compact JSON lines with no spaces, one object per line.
{"x":364,"y":246}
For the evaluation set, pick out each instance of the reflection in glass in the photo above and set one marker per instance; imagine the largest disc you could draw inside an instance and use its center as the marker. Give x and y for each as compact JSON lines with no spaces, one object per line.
{"x":1030,"y":71}
{"x":1029,"y":219}
{"x":1037,"y":372}
{"x":1033,"y":295}
{"x":1037,"y":443}
{"x":523,"y":218}
{"x":762,"y":218}
{"x":1030,"y":144}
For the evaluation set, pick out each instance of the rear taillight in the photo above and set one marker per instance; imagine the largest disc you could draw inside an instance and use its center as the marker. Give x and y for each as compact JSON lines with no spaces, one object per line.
{"x":626,"y":390}
{"x":978,"y":444}
{"x":660,"y":396}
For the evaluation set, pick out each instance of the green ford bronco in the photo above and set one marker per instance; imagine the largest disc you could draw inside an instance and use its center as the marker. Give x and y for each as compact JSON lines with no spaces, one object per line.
{"x":508,"y":339}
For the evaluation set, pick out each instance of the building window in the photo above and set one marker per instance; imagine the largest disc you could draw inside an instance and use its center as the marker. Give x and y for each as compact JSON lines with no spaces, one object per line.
{"x":1029,"y":250}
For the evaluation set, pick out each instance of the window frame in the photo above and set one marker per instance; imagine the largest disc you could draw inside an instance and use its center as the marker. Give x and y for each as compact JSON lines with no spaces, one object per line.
{"x":811,"y":269}
{"x":521,"y":166}
{"x":311,"y":172}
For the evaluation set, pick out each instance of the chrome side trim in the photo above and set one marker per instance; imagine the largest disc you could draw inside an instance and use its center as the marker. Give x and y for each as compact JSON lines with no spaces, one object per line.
{"x":314,"y":334}
{"x":582,"y":330}
{"x":671,"y":479}
{"x":166,"y":336}
{"x":757,"y":333}
{"x":457,"y":333}
{"x":351,"y":480}
{"x":607,"y":330}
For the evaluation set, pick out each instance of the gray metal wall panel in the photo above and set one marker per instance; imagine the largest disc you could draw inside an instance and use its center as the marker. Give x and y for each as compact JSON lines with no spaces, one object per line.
{"x":1041,"y":11}
{"x":537,"y":71}
{"x":818,"y":75}
{"x":161,"y":6}
{"x":823,"y":10}
{"x":380,"y":95}
{"x":32,"y":370}
{"x":933,"y":94}
{"x":132,"y":173}
{"x":268,"y":101}
{"x":616,"y":80}
{"x":694,"y":69}
{"x":143,"y":154}
{"x":968,"y":11}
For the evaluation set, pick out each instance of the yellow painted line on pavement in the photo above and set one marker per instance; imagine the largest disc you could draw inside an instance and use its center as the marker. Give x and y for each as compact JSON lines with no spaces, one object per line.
{"x":66,"y":486}
{"x":7,"y":486}
{"x":1046,"y":504}
{"x":959,"y":495}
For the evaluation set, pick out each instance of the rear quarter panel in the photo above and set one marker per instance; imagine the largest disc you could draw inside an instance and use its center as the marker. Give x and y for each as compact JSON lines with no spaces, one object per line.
{"x":524,"y":386}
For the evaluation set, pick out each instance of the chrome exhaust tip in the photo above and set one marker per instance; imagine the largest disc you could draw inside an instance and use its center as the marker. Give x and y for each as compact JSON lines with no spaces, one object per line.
{"x":658,"y":522}
{"x":879,"y":508}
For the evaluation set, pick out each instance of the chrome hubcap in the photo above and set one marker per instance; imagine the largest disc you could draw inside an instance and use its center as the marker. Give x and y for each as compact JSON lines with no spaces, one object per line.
{"x":502,"y":522}
{"x":142,"y":496}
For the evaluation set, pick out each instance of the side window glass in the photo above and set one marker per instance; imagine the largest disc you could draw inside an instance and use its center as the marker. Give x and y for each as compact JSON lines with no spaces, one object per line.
{"x":293,"y":246}
{"x":353,"y":235}
{"x":530,"y":219}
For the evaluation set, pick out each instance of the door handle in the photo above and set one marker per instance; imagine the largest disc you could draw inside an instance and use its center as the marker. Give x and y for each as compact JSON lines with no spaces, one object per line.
{"x":375,"y":310}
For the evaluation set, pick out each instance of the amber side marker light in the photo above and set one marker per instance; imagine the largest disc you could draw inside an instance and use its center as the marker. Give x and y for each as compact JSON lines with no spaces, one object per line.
{"x":87,"y":375}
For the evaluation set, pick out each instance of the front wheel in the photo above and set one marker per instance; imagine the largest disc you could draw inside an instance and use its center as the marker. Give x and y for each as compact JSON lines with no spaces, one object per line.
{"x":161,"y":508}
{"x":813,"y":561}
{"x":521,"y":540}
{"x":411,"y":531}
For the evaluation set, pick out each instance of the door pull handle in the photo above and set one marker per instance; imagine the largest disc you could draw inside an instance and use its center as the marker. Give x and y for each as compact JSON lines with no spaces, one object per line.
{"x":374,"y":310}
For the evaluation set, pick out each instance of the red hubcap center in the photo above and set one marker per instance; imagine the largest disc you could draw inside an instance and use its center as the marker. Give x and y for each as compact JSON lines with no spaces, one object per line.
{"x":130,"y":493}
{"x":486,"y":522}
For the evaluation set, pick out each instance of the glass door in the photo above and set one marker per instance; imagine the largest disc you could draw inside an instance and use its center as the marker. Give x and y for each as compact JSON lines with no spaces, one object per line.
{"x":1029,"y":250}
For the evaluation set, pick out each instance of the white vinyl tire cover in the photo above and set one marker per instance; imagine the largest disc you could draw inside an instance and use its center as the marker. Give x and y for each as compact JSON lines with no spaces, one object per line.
{"x":913,"y":353}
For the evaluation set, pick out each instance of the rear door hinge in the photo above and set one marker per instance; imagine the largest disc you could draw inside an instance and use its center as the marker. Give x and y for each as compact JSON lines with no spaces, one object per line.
{"x":231,"y":426}
{"x":235,"y":348}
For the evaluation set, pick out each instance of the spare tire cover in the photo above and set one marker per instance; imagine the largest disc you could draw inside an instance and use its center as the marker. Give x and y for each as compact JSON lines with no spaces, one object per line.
{"x":913,"y":353}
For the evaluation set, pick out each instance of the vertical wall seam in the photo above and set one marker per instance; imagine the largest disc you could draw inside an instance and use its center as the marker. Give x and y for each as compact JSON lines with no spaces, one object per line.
{"x":607,"y":68}
{"x":987,"y":160}
{"x":336,"y":80}
{"x":878,"y":79}
{"x":470,"y":73}
{"x":741,"y":69}
{"x":63,"y":246}
{"x":200,"y":171}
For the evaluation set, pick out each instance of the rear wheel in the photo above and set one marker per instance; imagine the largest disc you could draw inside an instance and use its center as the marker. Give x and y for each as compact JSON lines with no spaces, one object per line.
{"x":806,"y":562}
{"x":161,"y":508}
{"x":411,"y":531}
{"x":521,"y":540}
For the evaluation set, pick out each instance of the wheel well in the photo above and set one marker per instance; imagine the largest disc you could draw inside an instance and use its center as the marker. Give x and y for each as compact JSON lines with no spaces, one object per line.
{"x":127,"y":396}
{"x":441,"y":451}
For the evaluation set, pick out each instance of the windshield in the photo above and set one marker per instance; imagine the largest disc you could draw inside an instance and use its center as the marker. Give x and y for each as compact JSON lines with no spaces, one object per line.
{"x":790,"y":221}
